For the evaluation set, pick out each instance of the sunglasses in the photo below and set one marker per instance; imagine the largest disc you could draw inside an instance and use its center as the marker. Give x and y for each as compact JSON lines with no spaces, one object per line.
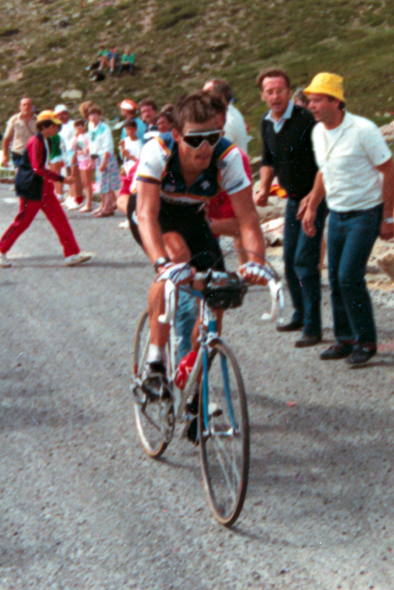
{"x":195,"y":139}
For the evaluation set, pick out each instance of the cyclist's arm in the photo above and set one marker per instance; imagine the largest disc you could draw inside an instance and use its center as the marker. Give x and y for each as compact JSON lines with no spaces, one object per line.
{"x":148,"y":207}
{"x":249,"y":225}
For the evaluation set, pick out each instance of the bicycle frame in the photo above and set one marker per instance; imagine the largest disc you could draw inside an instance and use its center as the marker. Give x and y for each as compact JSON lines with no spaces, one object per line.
{"x":208,"y":334}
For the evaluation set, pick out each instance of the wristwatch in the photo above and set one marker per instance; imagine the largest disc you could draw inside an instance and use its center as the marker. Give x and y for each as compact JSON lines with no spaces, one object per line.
{"x":160,"y":262}
{"x":388,"y":219}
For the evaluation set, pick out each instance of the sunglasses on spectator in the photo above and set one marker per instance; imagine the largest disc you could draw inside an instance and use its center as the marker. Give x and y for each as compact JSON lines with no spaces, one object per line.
{"x":195,"y":139}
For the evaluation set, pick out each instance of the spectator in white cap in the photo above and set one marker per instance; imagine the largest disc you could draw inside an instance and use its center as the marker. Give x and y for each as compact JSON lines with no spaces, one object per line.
{"x":67,"y":133}
{"x":129,"y":109}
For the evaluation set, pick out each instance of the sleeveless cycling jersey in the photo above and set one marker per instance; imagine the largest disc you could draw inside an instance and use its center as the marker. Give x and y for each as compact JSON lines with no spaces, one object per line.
{"x":159,"y":164}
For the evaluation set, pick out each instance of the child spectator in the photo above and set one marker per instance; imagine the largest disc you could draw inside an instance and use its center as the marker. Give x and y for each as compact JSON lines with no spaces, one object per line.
{"x":126,"y":62}
{"x":101,"y":149}
{"x":80,"y":145}
{"x":129,"y":109}
{"x":131,"y":146}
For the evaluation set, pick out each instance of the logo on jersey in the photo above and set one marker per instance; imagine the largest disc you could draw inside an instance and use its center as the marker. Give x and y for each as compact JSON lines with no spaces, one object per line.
{"x":205,"y":184}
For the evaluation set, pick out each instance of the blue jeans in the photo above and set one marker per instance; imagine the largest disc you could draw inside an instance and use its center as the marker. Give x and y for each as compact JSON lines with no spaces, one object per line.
{"x":302,"y":257}
{"x":186,"y":316}
{"x":351,"y":237}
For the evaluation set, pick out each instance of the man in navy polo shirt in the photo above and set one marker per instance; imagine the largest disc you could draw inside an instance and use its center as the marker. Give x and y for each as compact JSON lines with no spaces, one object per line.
{"x":287,"y":153}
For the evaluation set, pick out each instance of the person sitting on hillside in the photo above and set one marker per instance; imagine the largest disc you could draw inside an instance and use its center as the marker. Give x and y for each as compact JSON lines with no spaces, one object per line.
{"x":127,"y":62}
{"x":113,"y":60}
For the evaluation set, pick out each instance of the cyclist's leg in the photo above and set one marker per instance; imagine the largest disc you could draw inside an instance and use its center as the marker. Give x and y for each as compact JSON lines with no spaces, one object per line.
{"x":177,"y":251}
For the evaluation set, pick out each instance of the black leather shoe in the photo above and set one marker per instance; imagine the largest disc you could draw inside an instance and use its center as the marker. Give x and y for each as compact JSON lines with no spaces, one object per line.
{"x":361,"y":354}
{"x":307,"y":340}
{"x":336,"y":352}
{"x":290,"y":327}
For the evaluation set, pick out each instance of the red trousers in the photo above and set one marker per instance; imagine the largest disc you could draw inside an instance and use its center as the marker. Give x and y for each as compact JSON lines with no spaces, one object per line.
{"x":49,"y":205}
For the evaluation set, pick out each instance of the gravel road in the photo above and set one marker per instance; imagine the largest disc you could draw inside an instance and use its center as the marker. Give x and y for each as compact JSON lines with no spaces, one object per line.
{"x":83,"y":508}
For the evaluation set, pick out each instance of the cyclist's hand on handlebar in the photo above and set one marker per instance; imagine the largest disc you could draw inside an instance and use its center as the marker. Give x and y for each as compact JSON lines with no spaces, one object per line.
{"x":255,"y":273}
{"x":179,"y":274}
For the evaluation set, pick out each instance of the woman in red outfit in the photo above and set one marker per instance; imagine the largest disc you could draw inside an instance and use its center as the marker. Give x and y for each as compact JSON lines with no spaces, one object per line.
{"x":34,"y":185}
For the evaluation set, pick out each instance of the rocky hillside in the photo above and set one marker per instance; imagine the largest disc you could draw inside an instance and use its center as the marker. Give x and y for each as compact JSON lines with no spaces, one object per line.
{"x":45,"y":46}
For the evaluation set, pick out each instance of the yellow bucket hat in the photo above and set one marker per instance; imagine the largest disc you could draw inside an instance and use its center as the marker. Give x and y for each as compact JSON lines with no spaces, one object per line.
{"x":48,"y":116}
{"x":330,"y":84}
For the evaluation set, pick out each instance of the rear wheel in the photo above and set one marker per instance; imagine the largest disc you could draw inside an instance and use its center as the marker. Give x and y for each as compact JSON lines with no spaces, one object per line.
{"x":154,"y":418}
{"x":224,"y":435}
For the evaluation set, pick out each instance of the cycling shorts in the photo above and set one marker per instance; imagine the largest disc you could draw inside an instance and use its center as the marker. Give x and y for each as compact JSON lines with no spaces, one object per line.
{"x":190,"y":223}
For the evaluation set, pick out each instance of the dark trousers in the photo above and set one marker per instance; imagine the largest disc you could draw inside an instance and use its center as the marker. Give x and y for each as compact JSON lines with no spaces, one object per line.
{"x":16,"y":159}
{"x":351,"y":237}
{"x":302,"y":257}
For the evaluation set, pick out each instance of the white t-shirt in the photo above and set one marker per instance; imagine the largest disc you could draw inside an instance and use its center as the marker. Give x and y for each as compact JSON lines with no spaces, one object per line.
{"x":152,"y":167}
{"x":347,"y":157}
{"x":133,"y":147}
{"x":235,"y":128}
{"x":67,"y":133}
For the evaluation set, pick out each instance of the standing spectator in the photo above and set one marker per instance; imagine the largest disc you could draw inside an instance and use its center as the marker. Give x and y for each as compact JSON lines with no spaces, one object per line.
{"x":34,"y":185}
{"x":56,"y":162}
{"x":126,"y":62}
{"x":67,"y":133}
{"x":80,"y":145}
{"x":165,"y":119}
{"x":235,"y":127}
{"x":129,"y":109}
{"x":101,"y":149}
{"x":148,"y":110}
{"x":356,"y":172}
{"x":19,"y":129}
{"x":131,"y":146}
{"x":287,"y":153}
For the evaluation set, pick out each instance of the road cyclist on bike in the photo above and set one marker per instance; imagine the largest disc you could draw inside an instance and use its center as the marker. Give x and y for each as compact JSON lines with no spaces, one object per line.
{"x":177,"y":175}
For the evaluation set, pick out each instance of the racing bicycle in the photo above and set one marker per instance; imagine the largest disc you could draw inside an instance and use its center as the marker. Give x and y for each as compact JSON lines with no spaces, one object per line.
{"x":214,"y":385}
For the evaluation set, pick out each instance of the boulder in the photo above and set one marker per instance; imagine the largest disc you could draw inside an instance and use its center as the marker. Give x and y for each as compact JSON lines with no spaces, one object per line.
{"x":72,"y":94}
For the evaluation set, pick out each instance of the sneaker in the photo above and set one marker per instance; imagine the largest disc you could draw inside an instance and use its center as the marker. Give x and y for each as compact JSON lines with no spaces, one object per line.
{"x":155,"y":383}
{"x":336,"y":352}
{"x":79,"y":258}
{"x":4,"y":262}
{"x":361,"y":354}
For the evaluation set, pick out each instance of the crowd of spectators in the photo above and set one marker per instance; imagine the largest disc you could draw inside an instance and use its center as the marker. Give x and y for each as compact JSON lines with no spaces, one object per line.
{"x":82,"y":153}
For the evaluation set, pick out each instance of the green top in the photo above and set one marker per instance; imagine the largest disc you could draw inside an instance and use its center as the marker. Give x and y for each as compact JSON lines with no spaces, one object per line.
{"x":128,"y":58}
{"x":102,"y":53}
{"x":56,"y":151}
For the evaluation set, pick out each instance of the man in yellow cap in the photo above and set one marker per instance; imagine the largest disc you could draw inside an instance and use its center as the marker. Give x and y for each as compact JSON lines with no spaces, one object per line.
{"x":34,"y":185}
{"x":356,"y":174}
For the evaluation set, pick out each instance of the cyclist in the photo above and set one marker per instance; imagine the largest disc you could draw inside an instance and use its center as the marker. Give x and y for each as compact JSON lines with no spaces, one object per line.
{"x":177,"y":175}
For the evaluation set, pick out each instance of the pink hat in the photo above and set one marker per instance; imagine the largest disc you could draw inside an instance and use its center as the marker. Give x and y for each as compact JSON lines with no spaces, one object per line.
{"x":128,"y":105}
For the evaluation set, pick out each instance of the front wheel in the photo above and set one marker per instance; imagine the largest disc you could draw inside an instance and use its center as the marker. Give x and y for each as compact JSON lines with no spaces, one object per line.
{"x":223,"y":434}
{"x":155,"y":419}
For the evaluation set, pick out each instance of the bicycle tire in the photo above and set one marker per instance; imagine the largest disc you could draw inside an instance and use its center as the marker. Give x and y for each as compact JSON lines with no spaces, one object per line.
{"x":154,"y":442}
{"x":225,"y":504}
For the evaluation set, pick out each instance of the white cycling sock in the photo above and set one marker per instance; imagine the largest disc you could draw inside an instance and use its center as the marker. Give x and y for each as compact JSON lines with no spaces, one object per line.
{"x":156,"y":354}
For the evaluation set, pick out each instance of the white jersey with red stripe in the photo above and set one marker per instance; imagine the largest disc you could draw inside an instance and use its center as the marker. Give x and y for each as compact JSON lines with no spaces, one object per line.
{"x":159,"y":164}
